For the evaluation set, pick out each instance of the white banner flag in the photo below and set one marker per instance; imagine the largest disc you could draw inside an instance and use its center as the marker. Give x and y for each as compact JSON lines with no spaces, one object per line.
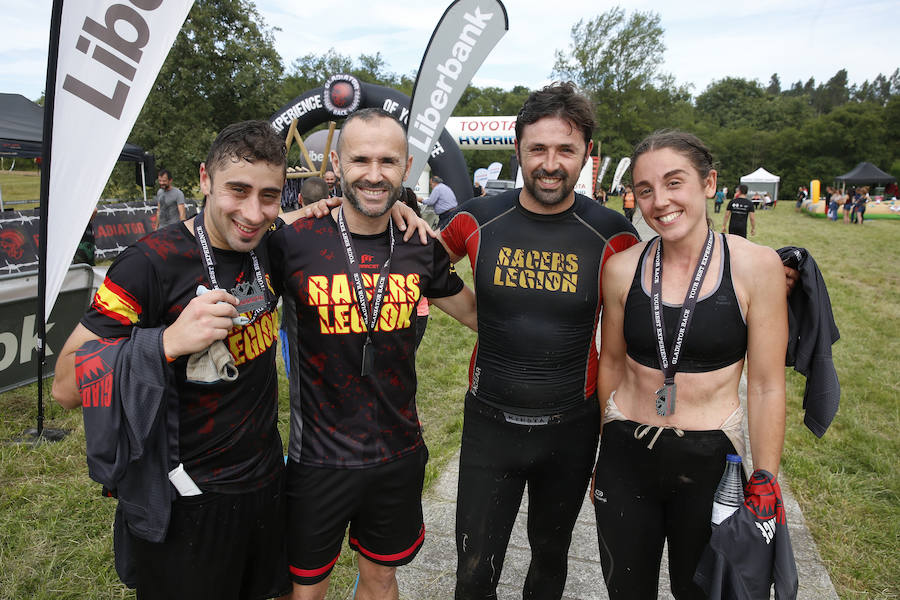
{"x":620,"y":172}
{"x":603,"y":166}
{"x":109,"y":56}
{"x":494,"y":171}
{"x":481,"y":176}
{"x":465,"y":35}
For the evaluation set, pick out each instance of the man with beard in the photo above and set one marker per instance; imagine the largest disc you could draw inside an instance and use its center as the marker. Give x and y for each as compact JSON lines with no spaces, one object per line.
{"x":531,"y":412}
{"x":356,"y":451}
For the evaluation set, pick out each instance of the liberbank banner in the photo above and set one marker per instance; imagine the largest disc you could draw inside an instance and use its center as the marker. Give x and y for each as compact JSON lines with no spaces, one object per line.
{"x":109,"y":55}
{"x":463,"y":38}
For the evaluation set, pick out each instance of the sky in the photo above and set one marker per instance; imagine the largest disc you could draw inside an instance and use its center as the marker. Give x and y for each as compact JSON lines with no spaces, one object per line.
{"x":705,"y":41}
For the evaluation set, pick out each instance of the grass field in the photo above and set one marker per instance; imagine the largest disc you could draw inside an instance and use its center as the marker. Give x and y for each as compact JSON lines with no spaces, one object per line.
{"x":56,"y":540}
{"x":20,"y":185}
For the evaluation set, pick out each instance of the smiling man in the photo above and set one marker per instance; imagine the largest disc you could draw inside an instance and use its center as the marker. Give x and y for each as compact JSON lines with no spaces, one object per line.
{"x":224,"y":536}
{"x":531,"y":412}
{"x":350,"y":286}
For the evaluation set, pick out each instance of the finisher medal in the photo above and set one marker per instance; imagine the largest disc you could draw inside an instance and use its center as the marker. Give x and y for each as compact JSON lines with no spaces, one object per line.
{"x":665,"y":400}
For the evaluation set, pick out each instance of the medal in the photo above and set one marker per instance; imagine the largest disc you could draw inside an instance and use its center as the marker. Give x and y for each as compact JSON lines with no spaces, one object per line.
{"x":665,"y":400}
{"x":251,"y":295}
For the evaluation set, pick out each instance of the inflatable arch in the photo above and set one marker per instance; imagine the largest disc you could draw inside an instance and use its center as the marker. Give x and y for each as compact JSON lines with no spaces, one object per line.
{"x":343,"y":94}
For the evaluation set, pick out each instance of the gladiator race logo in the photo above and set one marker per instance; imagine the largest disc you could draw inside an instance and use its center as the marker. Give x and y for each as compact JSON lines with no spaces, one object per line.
{"x":12,"y":242}
{"x":764,"y":501}
{"x":94,"y":375}
{"x":341,"y":95}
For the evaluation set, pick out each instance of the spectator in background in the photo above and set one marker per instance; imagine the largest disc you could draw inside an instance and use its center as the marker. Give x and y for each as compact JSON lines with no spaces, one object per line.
{"x":720,"y":200}
{"x":442,"y":200}
{"x":313,"y":190}
{"x":422,"y":308}
{"x":169,"y":201}
{"x":477,"y":190}
{"x":600,"y":196}
{"x":848,"y":206}
{"x":834,"y":200}
{"x":861,"y":199}
{"x":738,"y":211}
{"x":628,"y":203}
{"x":334,"y":190}
{"x":768,"y":202}
{"x":801,"y":196}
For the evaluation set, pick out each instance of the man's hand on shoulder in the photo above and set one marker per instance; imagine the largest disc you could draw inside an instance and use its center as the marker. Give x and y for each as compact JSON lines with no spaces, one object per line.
{"x":204,"y":320}
{"x":316,"y":209}
{"x":407,"y":220}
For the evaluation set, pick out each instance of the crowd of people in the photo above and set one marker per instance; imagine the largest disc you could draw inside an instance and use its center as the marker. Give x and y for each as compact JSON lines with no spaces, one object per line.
{"x":242,"y":520}
{"x":851,"y":202}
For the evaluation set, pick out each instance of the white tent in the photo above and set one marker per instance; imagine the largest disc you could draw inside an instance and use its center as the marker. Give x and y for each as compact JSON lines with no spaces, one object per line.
{"x":761,"y":181}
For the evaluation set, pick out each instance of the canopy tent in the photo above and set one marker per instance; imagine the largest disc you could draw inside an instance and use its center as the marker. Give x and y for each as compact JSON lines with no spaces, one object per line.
{"x":865,"y":173}
{"x":22,"y":132}
{"x":761,"y":181}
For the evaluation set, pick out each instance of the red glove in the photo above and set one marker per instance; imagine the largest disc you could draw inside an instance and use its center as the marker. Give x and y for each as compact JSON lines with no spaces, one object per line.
{"x":763,"y":497}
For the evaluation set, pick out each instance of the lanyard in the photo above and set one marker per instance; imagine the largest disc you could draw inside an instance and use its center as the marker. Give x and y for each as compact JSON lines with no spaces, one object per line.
{"x":665,"y":396}
{"x":209,"y":261}
{"x":370,"y":319}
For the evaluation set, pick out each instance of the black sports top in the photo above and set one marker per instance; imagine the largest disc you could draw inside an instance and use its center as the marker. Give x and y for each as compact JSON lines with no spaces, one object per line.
{"x":718,"y":333}
{"x":537,"y":282}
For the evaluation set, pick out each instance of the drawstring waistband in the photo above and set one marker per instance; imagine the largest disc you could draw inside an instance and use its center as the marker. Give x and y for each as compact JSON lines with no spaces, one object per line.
{"x":642,"y":430}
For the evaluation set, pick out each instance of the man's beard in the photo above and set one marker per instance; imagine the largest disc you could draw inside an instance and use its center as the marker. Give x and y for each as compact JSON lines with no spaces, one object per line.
{"x":394,"y":194}
{"x":553,"y":197}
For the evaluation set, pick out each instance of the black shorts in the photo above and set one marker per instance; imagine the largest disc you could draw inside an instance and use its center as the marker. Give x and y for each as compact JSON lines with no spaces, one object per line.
{"x":218,"y":546}
{"x":382,"y":504}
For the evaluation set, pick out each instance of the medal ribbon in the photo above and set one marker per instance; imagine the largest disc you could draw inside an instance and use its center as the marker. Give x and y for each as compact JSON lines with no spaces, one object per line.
{"x":687,"y":308}
{"x":209,"y":261}
{"x":370,"y":319}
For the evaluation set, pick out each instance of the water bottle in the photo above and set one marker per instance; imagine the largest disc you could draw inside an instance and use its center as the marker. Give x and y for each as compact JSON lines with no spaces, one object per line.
{"x":730,"y":494}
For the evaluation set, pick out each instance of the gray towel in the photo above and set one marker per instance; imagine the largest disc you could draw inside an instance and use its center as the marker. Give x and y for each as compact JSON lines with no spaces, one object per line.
{"x":212,"y":365}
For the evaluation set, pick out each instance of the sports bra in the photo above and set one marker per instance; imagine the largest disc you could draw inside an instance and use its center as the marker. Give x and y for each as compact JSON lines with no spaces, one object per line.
{"x":717,"y":336}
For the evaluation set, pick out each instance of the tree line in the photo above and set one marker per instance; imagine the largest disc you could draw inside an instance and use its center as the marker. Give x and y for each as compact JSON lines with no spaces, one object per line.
{"x":224,"y":67}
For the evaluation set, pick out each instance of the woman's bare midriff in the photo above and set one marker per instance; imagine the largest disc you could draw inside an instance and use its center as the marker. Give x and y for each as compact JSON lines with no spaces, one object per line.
{"x":703,"y":400}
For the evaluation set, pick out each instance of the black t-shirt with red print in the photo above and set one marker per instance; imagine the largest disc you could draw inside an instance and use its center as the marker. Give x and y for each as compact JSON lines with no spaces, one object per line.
{"x":339,"y":418}
{"x":228,"y":437}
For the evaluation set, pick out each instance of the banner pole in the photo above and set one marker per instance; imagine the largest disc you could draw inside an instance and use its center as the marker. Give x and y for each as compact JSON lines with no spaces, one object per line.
{"x":49,"y":97}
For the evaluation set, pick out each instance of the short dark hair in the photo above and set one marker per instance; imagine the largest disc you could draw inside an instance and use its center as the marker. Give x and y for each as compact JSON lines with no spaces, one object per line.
{"x":248,"y":141}
{"x":411,"y":200}
{"x":743,"y":187}
{"x":367,"y":115}
{"x":436,"y":179}
{"x":558,"y":100}
{"x":164,"y":172}
{"x":313,"y":190}
{"x":682,"y":142}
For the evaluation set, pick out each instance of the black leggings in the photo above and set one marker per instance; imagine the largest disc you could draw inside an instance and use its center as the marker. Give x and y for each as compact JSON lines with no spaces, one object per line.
{"x":644,"y":497}
{"x":496,"y":461}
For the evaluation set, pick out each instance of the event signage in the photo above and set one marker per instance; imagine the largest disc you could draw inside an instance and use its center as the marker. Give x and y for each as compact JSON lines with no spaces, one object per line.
{"x":620,"y":172}
{"x":109,"y":56}
{"x":483,"y":133}
{"x":116,"y":226}
{"x":465,"y":35}
{"x":603,"y":167}
{"x":480,"y":177}
{"x":18,"y":322}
